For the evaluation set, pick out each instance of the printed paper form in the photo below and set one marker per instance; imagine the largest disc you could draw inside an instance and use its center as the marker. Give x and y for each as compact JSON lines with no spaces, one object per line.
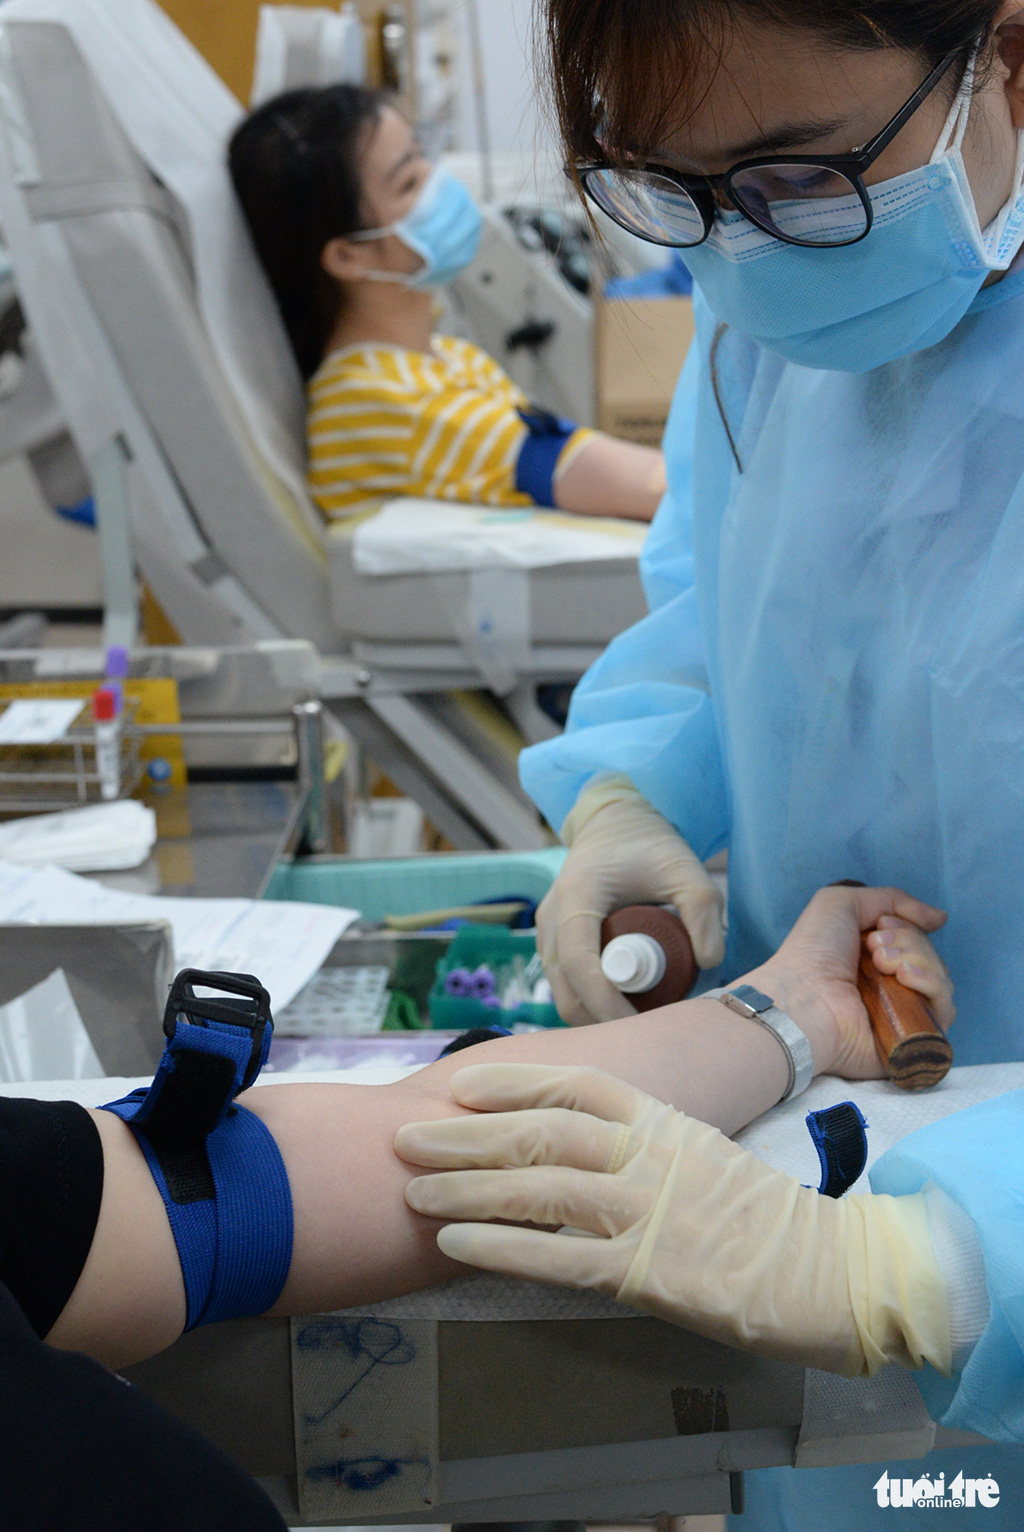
{"x":38,"y":721}
{"x":281,"y":942}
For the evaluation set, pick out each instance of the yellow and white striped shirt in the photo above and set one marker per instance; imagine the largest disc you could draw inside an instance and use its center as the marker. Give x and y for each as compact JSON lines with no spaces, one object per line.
{"x":443,"y":424}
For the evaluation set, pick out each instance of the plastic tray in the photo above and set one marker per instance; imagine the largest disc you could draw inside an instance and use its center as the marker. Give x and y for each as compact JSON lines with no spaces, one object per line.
{"x":405,"y":885}
{"x":497,"y":948}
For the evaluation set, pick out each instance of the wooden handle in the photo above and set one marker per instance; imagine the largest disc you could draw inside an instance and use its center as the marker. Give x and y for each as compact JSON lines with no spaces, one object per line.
{"x":912,"y":1047}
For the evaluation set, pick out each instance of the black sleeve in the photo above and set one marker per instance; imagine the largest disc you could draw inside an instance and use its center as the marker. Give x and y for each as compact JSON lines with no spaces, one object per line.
{"x":80,"y":1448}
{"x":51,"y":1185}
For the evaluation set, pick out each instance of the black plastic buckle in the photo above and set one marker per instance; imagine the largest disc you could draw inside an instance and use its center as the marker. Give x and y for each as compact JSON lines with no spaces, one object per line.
{"x":245,"y":1004}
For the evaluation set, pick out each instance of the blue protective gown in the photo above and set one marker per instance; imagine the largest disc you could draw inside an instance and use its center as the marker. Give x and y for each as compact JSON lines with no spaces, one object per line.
{"x":831,"y":678}
{"x":830,"y":682}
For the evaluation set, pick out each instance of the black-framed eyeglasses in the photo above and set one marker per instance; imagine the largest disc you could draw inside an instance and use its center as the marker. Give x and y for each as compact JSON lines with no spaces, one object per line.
{"x":818,"y":200}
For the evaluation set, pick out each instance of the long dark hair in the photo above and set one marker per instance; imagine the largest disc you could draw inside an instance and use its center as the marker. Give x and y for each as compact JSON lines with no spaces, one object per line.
{"x":294,"y":164}
{"x":625,"y":71}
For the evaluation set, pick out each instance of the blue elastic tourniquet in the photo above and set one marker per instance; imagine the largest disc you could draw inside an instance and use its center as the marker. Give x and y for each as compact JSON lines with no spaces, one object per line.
{"x":839,"y":1134}
{"x":539,"y":454}
{"x":216,"y":1165}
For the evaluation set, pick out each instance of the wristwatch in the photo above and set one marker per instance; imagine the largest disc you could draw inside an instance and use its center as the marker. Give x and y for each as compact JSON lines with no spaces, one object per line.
{"x":747,"y":1001}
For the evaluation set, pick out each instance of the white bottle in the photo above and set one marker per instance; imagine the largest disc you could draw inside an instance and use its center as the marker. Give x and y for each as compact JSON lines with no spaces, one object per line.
{"x":107,"y":727}
{"x":633,"y":962}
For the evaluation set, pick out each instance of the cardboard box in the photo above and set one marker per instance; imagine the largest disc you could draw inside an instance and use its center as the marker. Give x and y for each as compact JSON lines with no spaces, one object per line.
{"x":640,"y":347}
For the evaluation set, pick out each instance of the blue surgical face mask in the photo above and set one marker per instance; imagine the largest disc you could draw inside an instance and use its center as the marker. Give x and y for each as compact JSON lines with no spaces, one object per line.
{"x":904,"y":287}
{"x":443,"y":228}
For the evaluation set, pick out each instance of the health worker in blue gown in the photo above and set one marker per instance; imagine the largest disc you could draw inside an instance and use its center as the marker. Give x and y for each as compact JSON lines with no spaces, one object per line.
{"x":830,"y":682}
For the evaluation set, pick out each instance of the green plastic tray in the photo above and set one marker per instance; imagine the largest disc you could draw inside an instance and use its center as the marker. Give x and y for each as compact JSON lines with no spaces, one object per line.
{"x":406,"y":885}
{"x":498,"y":948}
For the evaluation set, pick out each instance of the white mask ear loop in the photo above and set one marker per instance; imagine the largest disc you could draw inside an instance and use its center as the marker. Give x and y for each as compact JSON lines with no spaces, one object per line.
{"x":1002,"y":251}
{"x":363,"y":234}
{"x":955,"y":125}
{"x":402,"y":278}
{"x":950,"y":141}
{"x":399,"y":278}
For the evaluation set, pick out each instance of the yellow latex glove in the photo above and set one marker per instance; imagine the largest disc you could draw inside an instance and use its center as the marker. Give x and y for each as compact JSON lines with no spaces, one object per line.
{"x":686,"y":1225}
{"x":621,"y":851}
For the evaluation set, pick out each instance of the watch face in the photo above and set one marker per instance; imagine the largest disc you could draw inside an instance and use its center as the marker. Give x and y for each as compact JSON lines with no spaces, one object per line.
{"x":752,"y":1000}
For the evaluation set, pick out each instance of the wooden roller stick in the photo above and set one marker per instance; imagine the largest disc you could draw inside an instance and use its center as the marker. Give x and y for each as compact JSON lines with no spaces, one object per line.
{"x":912,"y":1047}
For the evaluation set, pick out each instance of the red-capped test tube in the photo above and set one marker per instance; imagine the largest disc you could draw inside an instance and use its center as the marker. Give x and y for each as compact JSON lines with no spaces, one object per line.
{"x":107,"y":728}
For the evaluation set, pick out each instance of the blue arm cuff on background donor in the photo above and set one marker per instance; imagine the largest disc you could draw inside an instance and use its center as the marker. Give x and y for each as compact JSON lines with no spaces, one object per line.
{"x":216,"y":1164}
{"x":546,"y":435}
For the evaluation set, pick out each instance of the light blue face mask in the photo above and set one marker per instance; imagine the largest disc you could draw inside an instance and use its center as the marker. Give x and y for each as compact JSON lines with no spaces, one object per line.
{"x":443,"y":228}
{"x":852,"y":308}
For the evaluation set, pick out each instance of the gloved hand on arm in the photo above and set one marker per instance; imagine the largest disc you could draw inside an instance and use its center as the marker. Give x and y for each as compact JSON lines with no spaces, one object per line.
{"x":682,"y":1223}
{"x":621,"y":851}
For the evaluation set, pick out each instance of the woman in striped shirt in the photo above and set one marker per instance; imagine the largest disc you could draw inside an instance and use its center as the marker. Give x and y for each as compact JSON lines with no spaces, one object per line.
{"x":354,"y":228}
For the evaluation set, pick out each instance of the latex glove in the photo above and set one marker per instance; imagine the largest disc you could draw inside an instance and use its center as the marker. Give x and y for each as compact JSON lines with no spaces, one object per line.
{"x":621,"y":851}
{"x":688,"y":1226}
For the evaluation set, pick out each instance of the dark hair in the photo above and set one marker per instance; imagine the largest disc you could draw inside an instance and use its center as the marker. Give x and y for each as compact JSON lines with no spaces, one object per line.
{"x":630,"y":69}
{"x":294,"y":164}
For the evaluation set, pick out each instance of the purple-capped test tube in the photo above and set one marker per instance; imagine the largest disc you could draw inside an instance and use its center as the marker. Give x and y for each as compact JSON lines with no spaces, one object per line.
{"x":116,"y":672}
{"x":483,"y":984}
{"x":458,"y":983}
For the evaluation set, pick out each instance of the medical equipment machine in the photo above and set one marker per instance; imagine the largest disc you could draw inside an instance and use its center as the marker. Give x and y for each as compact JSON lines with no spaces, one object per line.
{"x":526,"y":297}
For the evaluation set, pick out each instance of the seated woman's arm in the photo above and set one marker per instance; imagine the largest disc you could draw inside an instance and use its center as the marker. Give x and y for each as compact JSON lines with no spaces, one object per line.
{"x":609,"y":477}
{"x":357,"y":1241}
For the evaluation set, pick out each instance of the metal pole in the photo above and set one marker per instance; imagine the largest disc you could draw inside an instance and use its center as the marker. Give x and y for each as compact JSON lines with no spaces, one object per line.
{"x":483,"y":131}
{"x":309,"y":743}
{"x":109,"y":474}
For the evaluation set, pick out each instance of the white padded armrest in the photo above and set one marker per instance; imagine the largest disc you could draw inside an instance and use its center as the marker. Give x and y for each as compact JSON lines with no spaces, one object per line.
{"x":412,"y":536}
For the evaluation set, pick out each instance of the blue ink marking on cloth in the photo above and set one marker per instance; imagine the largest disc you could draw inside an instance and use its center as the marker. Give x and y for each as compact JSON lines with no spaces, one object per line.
{"x":380,"y":1341}
{"x":362,"y":1473}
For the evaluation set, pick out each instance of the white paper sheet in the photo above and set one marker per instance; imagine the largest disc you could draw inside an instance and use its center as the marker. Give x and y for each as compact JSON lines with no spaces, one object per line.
{"x":42,"y":1036}
{"x":38,"y":720}
{"x":282,"y":942}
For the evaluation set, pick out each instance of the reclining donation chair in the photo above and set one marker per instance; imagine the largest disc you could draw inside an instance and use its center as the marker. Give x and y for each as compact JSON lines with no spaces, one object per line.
{"x":162,"y":344}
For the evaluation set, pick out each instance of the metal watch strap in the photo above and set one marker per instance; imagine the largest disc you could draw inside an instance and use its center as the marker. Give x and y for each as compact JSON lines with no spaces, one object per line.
{"x":756,"y":1006}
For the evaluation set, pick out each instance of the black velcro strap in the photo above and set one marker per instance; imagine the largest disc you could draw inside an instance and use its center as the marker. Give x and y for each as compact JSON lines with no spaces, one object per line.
{"x":186,"y":1169}
{"x":839,"y":1133}
{"x":191,"y":1100}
